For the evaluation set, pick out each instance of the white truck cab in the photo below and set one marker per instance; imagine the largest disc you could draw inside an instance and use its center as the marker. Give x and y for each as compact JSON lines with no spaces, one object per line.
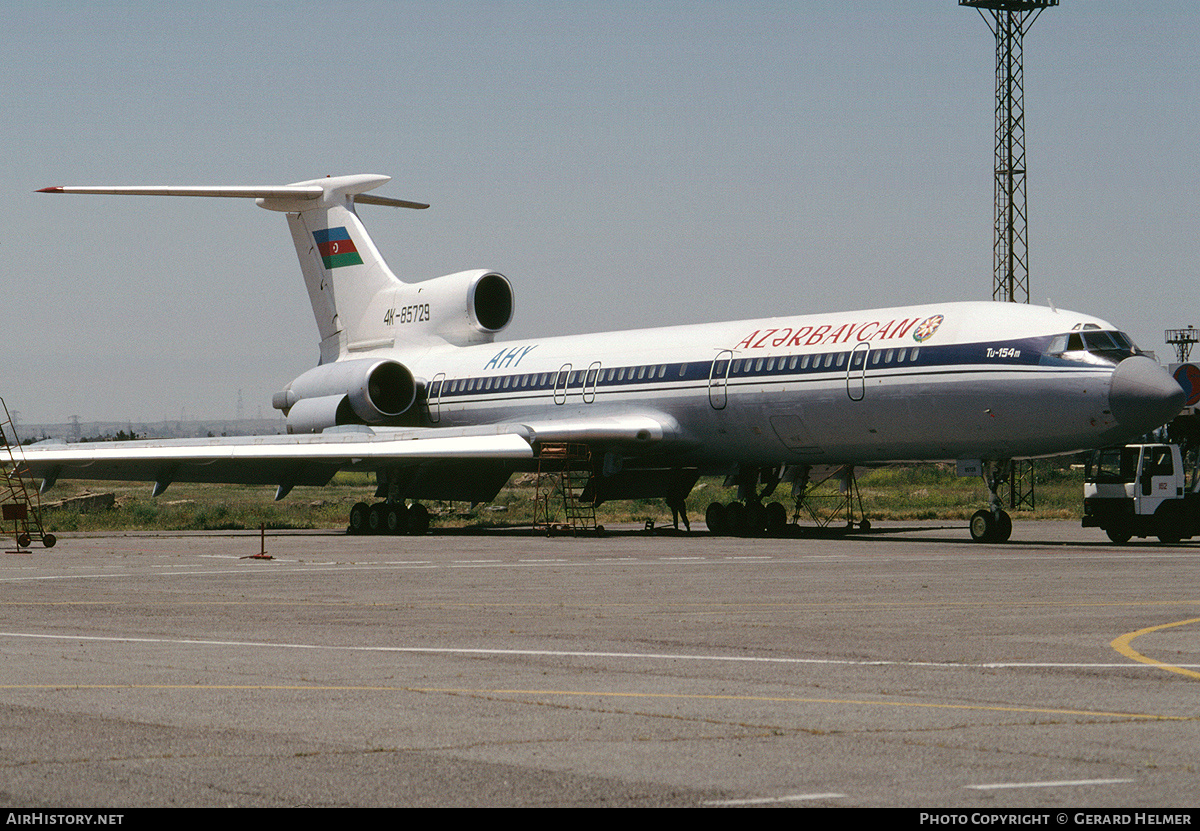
{"x":1141,"y":490}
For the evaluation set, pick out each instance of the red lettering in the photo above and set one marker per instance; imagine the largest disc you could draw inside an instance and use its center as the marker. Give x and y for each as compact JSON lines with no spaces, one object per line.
{"x":759,"y":343}
{"x":817,"y":334}
{"x":883,"y":333}
{"x":863,"y":329}
{"x":801,"y":332}
{"x":782,"y":339}
{"x":746,"y":343}
{"x":902,"y":328}
{"x":833,"y":336}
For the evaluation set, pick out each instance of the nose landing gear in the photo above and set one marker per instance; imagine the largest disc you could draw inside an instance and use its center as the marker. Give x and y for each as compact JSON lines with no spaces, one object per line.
{"x":992,"y":524}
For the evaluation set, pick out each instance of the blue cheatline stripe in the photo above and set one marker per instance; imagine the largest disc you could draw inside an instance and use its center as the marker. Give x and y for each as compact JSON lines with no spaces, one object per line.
{"x":928,"y":361}
{"x":331,"y":234}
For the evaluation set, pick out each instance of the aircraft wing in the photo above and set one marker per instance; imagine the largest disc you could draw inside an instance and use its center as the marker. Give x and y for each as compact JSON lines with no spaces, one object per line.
{"x":313,"y":458}
{"x":308,"y":459}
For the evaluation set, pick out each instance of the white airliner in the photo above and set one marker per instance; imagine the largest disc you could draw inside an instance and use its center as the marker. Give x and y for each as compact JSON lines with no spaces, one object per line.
{"x":411,"y":385}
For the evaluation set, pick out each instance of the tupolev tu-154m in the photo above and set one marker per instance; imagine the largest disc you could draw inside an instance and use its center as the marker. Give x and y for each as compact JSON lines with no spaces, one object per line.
{"x":412,"y":386}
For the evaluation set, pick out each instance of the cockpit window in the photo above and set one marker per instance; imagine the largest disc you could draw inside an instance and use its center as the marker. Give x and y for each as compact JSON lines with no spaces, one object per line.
{"x":1091,"y":343}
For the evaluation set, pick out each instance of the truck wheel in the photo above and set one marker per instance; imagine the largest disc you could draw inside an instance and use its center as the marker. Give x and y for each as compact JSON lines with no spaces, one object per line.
{"x":1170,"y":534}
{"x":1119,"y":535}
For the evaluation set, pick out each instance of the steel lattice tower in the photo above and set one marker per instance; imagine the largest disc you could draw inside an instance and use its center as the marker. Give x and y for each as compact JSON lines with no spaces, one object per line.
{"x":1009,"y":20}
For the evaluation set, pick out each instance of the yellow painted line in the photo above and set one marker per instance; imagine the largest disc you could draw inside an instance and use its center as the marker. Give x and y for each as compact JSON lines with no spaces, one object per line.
{"x":600,"y":694}
{"x":1121,"y":644}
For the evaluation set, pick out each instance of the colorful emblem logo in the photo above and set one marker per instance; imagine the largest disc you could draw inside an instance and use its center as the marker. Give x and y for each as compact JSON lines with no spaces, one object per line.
{"x":927,"y":327}
{"x":1188,"y":377}
{"x":336,"y":247}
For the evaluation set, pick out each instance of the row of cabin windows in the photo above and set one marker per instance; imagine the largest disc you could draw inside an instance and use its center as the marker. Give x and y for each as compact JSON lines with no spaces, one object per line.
{"x":742,"y":366}
{"x":546,"y":380}
{"x":829,"y":360}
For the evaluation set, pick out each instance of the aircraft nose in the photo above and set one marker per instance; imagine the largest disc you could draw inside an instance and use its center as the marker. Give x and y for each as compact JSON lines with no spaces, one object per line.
{"x":1143,"y":396}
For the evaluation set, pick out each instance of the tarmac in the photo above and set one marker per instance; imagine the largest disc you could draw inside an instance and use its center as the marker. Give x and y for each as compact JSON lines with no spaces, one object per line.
{"x":903,"y":667}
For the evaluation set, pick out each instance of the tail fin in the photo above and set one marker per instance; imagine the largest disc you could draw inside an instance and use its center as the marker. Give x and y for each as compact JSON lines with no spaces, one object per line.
{"x":344,"y":272}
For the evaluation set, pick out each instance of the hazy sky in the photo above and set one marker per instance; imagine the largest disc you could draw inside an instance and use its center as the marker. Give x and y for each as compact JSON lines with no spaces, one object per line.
{"x":624,"y":164}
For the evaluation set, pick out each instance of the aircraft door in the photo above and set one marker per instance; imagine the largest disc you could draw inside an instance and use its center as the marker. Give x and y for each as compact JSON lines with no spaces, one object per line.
{"x":856,"y":372}
{"x":590,"y":379}
{"x":560,"y":384}
{"x":435,"y":398}
{"x":718,"y":379}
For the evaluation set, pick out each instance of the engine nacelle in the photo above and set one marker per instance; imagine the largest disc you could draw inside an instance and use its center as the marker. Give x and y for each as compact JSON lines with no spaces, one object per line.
{"x":465,"y":308}
{"x":366,"y":391}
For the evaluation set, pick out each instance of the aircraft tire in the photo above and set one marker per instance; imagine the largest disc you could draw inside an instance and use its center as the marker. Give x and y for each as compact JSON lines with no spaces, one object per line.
{"x":358,"y":518}
{"x":375,"y":520}
{"x":735,"y":519}
{"x":716,"y":519}
{"x":418,"y":520}
{"x":1003,"y":528}
{"x":983,"y":525}
{"x":776,"y":519}
{"x":395,"y":519}
{"x":756,"y":518}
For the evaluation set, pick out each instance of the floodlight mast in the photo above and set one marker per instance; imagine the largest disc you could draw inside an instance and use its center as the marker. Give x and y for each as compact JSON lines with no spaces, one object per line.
{"x":1183,"y":340}
{"x":1009,"y":20}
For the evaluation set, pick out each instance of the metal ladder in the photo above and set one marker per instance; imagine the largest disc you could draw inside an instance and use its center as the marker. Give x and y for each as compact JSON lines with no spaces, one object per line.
{"x":16,"y":504}
{"x":563,"y":469}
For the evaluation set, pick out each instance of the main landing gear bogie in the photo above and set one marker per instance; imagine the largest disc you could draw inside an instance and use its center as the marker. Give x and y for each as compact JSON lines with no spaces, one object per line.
{"x":389,"y":518}
{"x":747,"y":519}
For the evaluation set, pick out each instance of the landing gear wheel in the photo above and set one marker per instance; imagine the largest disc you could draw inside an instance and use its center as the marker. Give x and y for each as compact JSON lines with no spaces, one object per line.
{"x":418,"y":520}
{"x":756,"y":518}
{"x":395,"y":519}
{"x":776,"y":519}
{"x":989,"y":527}
{"x":735,"y":519}
{"x":358,"y":518}
{"x":375,"y":520}
{"x":716,"y":519}
{"x":1003,"y":528}
{"x":1119,"y":535}
{"x":982,"y":526}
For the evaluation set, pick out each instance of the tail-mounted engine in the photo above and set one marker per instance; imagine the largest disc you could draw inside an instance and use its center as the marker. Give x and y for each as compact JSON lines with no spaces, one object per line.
{"x":465,"y":308}
{"x":367,"y":391}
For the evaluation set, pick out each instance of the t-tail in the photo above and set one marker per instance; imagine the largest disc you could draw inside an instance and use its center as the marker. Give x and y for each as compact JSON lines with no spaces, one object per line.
{"x":359,"y":305}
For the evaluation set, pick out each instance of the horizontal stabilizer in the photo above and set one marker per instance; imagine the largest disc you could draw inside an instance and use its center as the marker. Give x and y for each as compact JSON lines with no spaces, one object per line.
{"x":303,"y":191}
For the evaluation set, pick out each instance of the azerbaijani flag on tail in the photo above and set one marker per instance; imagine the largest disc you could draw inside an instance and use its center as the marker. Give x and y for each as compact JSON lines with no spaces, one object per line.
{"x":336,"y":247}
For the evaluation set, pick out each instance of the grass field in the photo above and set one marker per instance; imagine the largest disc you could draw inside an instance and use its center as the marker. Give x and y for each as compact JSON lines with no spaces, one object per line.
{"x":919,"y":492}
